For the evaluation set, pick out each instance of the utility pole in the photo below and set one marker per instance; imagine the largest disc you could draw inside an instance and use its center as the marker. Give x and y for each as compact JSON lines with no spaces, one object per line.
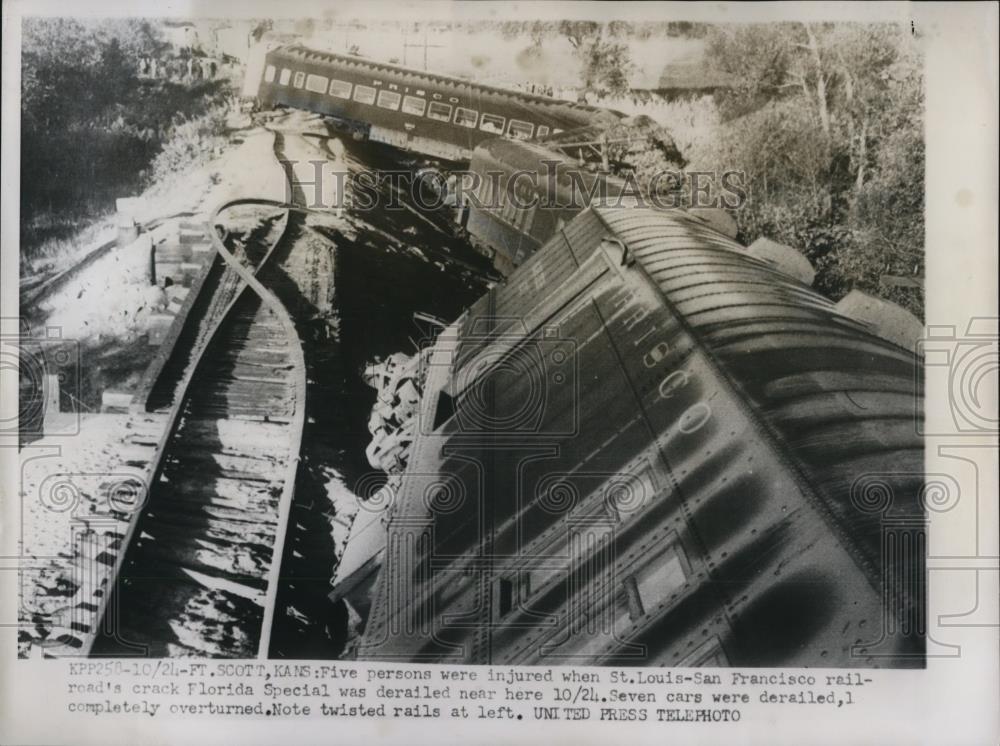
{"x":425,"y":46}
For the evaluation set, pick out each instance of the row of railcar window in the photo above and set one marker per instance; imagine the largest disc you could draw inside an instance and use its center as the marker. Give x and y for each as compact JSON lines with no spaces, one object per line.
{"x":413,"y":105}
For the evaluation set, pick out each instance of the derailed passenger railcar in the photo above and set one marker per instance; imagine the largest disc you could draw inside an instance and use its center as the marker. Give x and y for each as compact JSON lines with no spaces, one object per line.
{"x":434,"y":114}
{"x":521,"y":193}
{"x":650,"y":448}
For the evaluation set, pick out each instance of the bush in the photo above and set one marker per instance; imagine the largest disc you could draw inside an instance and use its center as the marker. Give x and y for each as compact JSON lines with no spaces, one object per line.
{"x":90,"y":126}
{"x":190,"y":142}
{"x":830,"y":135}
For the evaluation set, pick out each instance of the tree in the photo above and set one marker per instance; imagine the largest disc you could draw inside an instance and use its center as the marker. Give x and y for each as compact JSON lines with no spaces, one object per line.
{"x":578,"y":32}
{"x":262,"y":28}
{"x":605,"y":63}
{"x":826,"y":120}
{"x":89,"y":124}
{"x":115,"y":73}
{"x":754,"y":58}
{"x":605,"y":67}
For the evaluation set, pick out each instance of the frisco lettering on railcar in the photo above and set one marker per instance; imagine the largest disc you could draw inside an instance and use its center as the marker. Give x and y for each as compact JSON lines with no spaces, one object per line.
{"x":484,"y":109}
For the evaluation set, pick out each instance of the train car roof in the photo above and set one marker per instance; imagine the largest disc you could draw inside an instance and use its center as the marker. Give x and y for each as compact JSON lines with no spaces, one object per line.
{"x":586,"y":133}
{"x":297,"y":51}
{"x":519,"y":154}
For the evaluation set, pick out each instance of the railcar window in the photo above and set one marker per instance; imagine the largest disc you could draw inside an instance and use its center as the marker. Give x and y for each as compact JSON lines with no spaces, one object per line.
{"x":484,"y":185}
{"x":364,"y":94}
{"x":316,"y":83}
{"x":340,"y":88}
{"x":269,"y":73}
{"x":524,"y":195}
{"x":658,"y":578}
{"x":524,"y":218}
{"x":519,"y":217}
{"x":439,"y":111}
{"x":512,"y":592}
{"x":414,"y":105}
{"x":529,"y":220}
{"x":543,"y":130}
{"x":286,"y":75}
{"x":520,"y":130}
{"x":505,"y":596}
{"x":509,"y":209}
{"x":388,"y":99}
{"x":299,"y":80}
{"x":466,"y":117}
{"x":488,"y":193}
{"x":492,"y":123}
{"x":630,"y":595}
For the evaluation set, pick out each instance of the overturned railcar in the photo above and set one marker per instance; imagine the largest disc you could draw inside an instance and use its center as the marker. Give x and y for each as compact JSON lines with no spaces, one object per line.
{"x":520,"y":193}
{"x":523,"y":193}
{"x":650,"y":448}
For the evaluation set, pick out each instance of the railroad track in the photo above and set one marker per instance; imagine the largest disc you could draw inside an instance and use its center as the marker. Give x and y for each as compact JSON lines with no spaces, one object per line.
{"x":196,"y":578}
{"x":214,"y":300}
{"x":200,"y":571}
{"x":199,"y":574}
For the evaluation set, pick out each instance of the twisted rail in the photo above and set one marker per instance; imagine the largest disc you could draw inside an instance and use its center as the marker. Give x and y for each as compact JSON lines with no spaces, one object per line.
{"x":249,"y":282}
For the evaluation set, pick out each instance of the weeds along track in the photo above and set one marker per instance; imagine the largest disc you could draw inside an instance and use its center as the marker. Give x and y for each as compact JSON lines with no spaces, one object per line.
{"x":199,"y":572}
{"x":32,"y":293}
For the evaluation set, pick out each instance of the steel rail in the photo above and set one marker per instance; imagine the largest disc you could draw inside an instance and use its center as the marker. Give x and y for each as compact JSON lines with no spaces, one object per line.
{"x":183,"y":392}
